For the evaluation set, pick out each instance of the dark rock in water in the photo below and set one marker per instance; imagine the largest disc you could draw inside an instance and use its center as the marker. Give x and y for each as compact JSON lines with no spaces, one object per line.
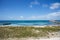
{"x":6,"y":23}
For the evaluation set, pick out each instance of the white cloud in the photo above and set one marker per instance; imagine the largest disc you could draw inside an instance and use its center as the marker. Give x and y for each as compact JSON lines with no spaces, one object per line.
{"x":35,"y":2}
{"x":11,"y":17}
{"x":44,"y":5}
{"x":33,"y":17}
{"x":21,"y":17}
{"x":16,"y":18}
{"x":55,"y":6}
{"x":30,"y":6}
{"x":54,"y":15}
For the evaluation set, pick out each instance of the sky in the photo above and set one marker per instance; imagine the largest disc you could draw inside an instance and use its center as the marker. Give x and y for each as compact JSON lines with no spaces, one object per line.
{"x":29,"y":9}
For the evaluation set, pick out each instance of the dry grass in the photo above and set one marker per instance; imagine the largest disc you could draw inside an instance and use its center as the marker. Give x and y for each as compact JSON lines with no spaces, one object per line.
{"x":20,"y":32}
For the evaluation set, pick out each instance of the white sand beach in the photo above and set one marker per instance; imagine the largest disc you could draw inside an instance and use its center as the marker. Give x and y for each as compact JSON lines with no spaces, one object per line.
{"x":55,"y":38}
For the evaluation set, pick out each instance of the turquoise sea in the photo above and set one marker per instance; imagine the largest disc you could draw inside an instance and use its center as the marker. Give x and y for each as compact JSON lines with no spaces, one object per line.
{"x":27,"y":22}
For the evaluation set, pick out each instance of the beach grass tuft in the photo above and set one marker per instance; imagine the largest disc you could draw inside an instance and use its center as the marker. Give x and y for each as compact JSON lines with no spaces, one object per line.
{"x":20,"y":32}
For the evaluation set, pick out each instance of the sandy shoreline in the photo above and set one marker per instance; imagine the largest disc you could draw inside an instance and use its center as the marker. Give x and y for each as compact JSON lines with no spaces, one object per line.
{"x":54,"y":38}
{"x":28,"y":26}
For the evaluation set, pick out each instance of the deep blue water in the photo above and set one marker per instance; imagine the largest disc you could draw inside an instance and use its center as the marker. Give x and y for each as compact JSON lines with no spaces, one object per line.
{"x":26,"y":22}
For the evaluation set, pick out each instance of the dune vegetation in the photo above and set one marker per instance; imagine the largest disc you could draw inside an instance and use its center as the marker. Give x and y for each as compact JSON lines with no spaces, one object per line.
{"x":20,"y":32}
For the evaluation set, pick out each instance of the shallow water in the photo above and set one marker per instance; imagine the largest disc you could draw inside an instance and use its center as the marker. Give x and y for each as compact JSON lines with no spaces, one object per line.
{"x":26,"y":22}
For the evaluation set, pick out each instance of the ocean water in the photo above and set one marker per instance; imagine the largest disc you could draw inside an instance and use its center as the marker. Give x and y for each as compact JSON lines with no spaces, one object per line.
{"x":26,"y":22}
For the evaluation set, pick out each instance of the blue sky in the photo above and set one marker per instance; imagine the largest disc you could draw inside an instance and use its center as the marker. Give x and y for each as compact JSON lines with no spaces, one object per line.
{"x":29,"y":9}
